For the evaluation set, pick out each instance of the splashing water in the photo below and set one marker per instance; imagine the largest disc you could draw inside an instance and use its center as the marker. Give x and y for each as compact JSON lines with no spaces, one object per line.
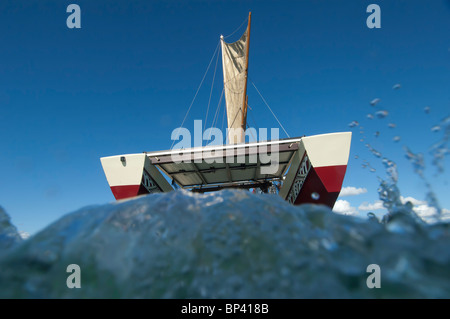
{"x":440,"y":149}
{"x":392,"y":125}
{"x":435,"y":128}
{"x":373,"y":151}
{"x":381,"y":114}
{"x":388,"y":190}
{"x":366,"y":164}
{"x":353,"y":124}
{"x":389,"y":193}
{"x":401,"y":217}
{"x":391,"y":169}
{"x":417,"y":160}
{"x":375,"y":101}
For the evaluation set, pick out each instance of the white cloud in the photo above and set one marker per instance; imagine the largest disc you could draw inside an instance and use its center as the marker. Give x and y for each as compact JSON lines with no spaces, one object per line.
{"x":424,"y":211}
{"x":352,"y":191}
{"x":344,"y":207}
{"x":445,"y":215}
{"x":378,"y":204}
{"x":420,"y":207}
{"x":413,"y":201}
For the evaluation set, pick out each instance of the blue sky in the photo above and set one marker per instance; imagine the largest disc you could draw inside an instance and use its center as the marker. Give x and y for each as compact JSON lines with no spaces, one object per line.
{"x":124,"y":81}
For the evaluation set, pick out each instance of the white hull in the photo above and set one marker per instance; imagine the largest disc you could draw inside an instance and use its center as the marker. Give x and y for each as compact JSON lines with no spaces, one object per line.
{"x":309,"y":169}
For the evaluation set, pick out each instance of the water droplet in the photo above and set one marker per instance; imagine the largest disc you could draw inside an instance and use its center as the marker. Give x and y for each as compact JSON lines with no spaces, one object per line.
{"x":417,"y":160}
{"x":435,"y":128}
{"x":372,"y":217}
{"x":392,"y":125}
{"x":375,"y":101}
{"x":397,"y":86}
{"x":382,"y":114}
{"x":396,"y":138}
{"x":440,"y":150}
{"x":427,"y":109}
{"x":377,"y":134}
{"x":315,"y":196}
{"x":391,"y":169}
{"x":356,"y":156}
{"x":353,"y":124}
{"x":373,"y":151}
{"x":370,"y":116}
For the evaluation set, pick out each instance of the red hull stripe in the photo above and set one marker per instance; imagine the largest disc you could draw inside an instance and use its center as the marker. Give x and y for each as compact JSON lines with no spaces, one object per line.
{"x":326,"y":182}
{"x":332,"y":177}
{"x":315,"y":192}
{"x":127,"y":191}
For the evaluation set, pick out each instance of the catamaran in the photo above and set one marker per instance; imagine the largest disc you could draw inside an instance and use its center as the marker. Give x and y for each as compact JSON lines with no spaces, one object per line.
{"x":307,"y":169}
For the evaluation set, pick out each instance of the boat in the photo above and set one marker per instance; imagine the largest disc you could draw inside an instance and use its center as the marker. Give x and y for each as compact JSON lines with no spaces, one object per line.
{"x":306,"y":169}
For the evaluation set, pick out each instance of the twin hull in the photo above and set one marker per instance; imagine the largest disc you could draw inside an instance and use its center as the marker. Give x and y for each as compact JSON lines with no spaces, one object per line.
{"x":311,"y":169}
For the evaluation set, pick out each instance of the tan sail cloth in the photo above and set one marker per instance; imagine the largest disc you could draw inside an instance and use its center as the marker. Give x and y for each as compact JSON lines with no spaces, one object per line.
{"x":234,"y":63}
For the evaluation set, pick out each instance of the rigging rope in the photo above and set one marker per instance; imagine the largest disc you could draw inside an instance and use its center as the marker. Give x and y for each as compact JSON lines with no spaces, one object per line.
{"x":215,"y":115}
{"x":236,"y":29}
{"x":223,"y":121}
{"x":254,"y":122}
{"x":269,"y":108}
{"x":217,"y":109}
{"x":210,"y":93}
{"x":198,"y":89}
{"x":235,"y":117}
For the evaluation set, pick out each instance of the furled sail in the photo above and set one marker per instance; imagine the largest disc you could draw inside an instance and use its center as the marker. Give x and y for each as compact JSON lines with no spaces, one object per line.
{"x":235,"y":65}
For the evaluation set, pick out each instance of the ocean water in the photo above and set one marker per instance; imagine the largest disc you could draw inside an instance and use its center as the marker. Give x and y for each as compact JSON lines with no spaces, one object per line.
{"x":228,"y":244}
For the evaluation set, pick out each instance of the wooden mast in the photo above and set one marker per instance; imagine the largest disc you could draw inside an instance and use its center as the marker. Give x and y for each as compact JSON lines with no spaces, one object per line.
{"x":245,"y":102}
